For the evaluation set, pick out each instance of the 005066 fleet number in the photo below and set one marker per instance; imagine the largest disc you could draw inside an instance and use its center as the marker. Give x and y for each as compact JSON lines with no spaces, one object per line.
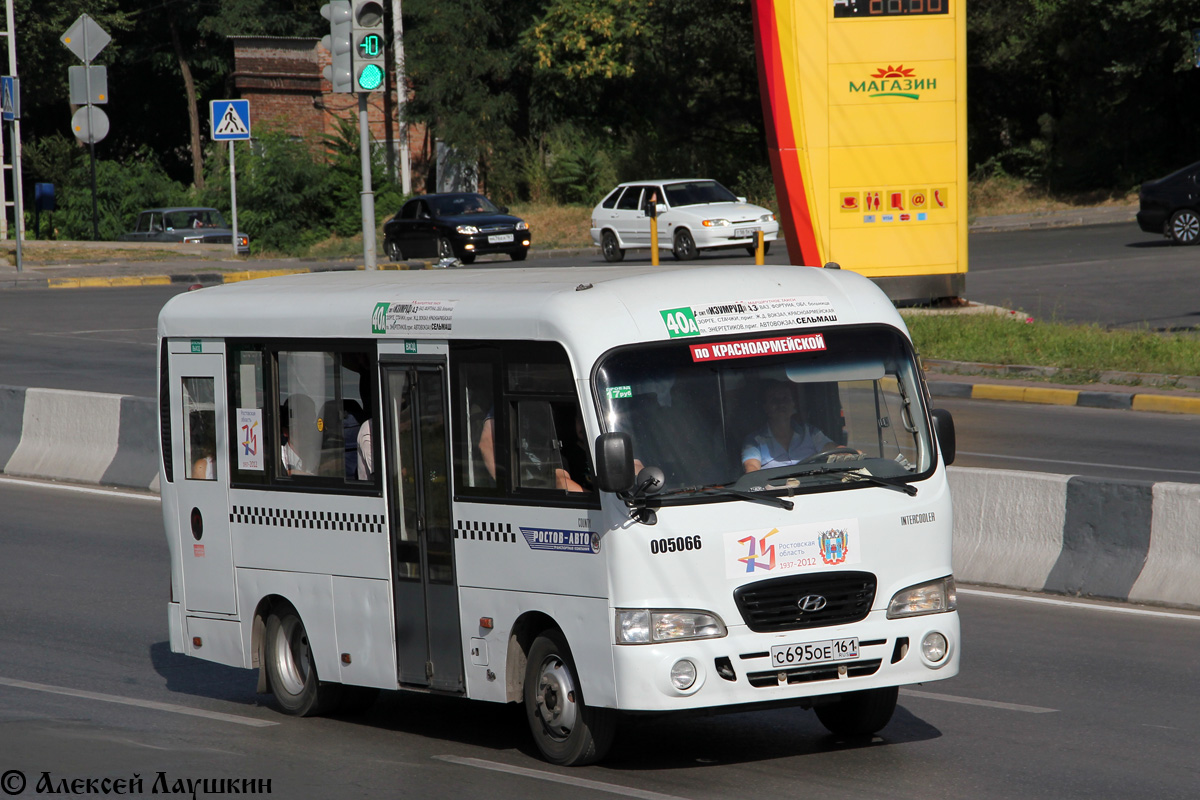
{"x":676,"y":545}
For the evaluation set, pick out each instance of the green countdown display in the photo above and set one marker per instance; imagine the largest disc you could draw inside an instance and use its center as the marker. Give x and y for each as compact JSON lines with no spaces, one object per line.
{"x":370,"y":46}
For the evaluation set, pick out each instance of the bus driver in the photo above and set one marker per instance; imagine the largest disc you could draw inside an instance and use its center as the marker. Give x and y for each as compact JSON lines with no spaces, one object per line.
{"x":785,"y":439}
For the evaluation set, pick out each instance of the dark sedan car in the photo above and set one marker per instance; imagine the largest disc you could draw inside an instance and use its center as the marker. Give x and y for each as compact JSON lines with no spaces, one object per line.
{"x":190,"y":225}
{"x":454,"y":225}
{"x":1171,"y":205}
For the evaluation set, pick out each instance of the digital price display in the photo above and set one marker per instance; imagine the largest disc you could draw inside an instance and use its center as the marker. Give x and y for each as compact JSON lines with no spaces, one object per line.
{"x":884,"y":8}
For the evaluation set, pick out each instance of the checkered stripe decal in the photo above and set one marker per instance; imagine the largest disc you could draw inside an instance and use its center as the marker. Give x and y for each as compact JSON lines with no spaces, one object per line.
{"x":316,"y":520}
{"x":484,"y":531}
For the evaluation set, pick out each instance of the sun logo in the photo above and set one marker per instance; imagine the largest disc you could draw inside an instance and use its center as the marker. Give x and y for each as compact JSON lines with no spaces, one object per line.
{"x":894,"y":72}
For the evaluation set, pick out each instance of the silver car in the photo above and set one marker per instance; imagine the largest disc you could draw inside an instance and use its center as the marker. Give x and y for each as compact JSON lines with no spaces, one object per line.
{"x":196,"y":225}
{"x":694,"y":214}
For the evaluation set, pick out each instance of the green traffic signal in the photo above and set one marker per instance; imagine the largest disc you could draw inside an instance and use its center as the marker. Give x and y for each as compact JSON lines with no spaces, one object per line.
{"x":370,"y":77}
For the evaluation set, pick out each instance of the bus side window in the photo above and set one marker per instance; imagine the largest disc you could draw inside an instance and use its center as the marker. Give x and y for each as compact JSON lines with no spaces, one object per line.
{"x":535,"y":449}
{"x":200,"y":436}
{"x":476,"y":400}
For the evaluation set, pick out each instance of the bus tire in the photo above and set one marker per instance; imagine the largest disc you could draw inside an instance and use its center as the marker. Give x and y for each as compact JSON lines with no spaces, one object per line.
{"x":859,"y":713}
{"x":291,"y":670}
{"x":565,"y":729}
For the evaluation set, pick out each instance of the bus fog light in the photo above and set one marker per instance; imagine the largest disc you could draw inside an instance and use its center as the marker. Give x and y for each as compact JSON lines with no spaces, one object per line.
{"x":934,"y":647}
{"x":683,"y":675}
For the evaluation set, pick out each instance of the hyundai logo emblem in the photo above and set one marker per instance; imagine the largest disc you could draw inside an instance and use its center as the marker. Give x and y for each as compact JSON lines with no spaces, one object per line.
{"x":811,"y":603}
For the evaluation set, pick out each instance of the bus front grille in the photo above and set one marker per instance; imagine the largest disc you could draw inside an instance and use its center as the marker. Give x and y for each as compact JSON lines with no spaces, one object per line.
{"x":797,"y":602}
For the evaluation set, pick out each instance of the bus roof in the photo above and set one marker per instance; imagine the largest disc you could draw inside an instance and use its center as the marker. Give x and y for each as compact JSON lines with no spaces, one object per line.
{"x":590,"y":309}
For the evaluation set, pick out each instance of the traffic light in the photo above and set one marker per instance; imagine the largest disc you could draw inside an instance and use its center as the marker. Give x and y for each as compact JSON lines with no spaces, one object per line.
{"x":340,"y":45}
{"x":369,"y":44}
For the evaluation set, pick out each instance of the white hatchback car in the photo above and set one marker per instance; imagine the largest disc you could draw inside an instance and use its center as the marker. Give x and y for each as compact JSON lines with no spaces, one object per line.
{"x":693,"y":215}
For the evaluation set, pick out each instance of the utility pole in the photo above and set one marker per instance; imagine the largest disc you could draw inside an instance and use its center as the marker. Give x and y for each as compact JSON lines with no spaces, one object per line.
{"x":401,"y":96}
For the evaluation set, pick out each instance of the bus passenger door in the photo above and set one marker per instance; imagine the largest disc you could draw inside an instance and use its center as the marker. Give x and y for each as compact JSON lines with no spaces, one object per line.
{"x":201,"y":471}
{"x":425,"y":594}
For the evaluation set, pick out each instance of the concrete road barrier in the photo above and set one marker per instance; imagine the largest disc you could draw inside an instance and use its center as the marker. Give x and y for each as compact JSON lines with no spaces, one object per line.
{"x":86,"y":437}
{"x":1069,"y":534}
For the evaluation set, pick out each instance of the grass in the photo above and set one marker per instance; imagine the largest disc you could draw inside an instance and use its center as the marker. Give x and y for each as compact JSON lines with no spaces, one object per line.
{"x":556,"y":227}
{"x":1004,"y":195}
{"x":1083,"y":351}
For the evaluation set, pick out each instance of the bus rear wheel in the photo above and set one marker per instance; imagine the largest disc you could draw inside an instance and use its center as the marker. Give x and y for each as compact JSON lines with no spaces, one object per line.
{"x":291,"y":670}
{"x":565,"y":729}
{"x":859,"y":713}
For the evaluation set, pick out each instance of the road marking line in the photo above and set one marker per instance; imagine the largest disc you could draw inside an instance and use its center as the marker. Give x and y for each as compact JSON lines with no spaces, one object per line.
{"x":129,"y":701}
{"x":971,"y":701}
{"x":131,"y":495}
{"x":1076,"y":463}
{"x":1054,"y":601}
{"x":611,"y":788}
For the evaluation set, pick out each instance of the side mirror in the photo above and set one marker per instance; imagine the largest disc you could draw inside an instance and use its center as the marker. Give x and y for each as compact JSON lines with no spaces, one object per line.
{"x":614,"y":462}
{"x":943,"y":428}
{"x":661,"y":208}
{"x":503,"y":209}
{"x":741,"y":199}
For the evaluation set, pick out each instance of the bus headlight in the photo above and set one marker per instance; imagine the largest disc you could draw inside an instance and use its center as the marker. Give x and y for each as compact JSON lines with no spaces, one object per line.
{"x":933,"y":597}
{"x":650,"y":625}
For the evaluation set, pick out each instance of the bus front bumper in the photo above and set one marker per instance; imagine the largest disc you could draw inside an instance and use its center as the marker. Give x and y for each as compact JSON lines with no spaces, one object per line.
{"x":738,"y":669}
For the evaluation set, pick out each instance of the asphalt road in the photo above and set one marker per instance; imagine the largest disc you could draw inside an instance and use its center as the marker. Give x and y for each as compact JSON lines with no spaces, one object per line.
{"x":1111,"y":275}
{"x":1052,"y":702}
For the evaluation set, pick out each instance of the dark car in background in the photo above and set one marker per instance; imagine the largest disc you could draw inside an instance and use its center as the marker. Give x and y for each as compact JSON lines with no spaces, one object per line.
{"x":191,"y":225}
{"x":1171,"y":205}
{"x":459,"y":225}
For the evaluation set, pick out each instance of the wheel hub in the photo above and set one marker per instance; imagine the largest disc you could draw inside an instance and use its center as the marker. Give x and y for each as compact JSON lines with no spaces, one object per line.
{"x":556,"y":698}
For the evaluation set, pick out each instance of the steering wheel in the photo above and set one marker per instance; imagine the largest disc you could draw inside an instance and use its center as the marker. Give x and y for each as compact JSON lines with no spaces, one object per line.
{"x":840,"y":453}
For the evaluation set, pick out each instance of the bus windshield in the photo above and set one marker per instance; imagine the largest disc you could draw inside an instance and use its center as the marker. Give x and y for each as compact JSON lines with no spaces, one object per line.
{"x":791,"y":411}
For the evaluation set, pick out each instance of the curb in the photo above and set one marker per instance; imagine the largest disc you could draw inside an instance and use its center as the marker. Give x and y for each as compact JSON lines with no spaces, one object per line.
{"x":1066,"y":534}
{"x":1169,"y":404}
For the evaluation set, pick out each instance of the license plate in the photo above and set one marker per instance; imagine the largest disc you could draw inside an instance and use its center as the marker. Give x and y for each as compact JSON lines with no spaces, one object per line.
{"x":798,"y":655}
{"x":497,"y":238}
{"x":744,"y":233}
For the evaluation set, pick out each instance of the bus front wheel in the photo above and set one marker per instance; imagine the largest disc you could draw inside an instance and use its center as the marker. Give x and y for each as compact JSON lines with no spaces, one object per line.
{"x":290,"y":667}
{"x":859,"y":713}
{"x":565,"y":729}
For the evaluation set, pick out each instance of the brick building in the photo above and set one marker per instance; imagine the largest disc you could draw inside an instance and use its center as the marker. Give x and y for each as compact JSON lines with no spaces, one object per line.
{"x":281,"y":77}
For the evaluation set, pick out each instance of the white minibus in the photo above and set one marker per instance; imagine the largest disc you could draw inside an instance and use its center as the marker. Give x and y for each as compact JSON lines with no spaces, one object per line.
{"x":592,"y":491}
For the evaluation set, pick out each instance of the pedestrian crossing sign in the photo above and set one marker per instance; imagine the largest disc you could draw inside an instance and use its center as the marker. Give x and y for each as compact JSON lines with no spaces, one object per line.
{"x":230,"y":119}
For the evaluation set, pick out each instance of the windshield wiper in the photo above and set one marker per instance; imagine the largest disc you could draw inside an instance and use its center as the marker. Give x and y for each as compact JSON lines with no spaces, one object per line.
{"x":724,"y":491}
{"x":853,"y":473}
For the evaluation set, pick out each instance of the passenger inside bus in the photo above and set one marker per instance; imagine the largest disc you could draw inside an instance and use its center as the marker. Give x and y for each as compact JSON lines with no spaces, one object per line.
{"x":204,"y":445}
{"x":576,"y":473}
{"x":297,"y":413}
{"x":786,"y":437}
